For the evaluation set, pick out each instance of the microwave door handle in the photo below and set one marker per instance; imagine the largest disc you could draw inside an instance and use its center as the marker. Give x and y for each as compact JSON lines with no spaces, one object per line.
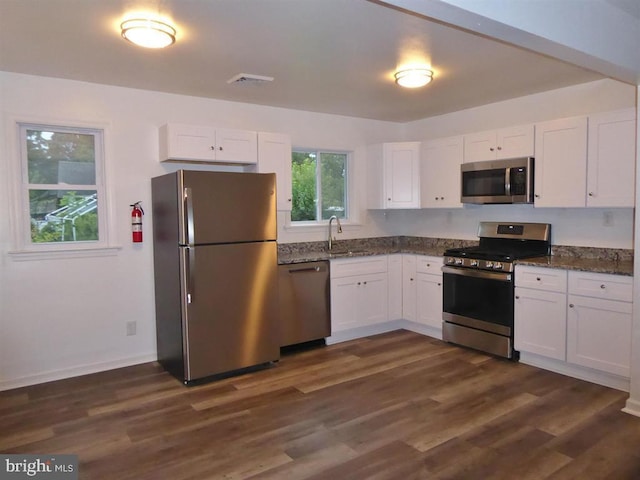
{"x":507,"y":181}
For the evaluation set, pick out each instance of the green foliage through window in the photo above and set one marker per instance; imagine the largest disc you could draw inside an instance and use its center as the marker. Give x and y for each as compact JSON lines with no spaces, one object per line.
{"x":319,"y":185}
{"x":61,"y":183}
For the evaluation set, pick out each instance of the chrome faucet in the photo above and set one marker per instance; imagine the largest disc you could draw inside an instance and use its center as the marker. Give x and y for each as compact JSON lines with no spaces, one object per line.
{"x":331,"y":219}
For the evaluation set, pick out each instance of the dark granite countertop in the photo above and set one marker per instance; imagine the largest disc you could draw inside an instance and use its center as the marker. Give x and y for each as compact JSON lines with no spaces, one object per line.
{"x":594,"y":265}
{"x":586,"y":259}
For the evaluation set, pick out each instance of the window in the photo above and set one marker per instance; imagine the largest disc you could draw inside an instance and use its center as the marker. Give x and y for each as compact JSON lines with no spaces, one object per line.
{"x":62,"y":187}
{"x":319,"y":185}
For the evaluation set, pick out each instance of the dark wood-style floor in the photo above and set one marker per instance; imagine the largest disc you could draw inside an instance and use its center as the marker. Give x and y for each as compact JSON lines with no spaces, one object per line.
{"x":393,"y":406}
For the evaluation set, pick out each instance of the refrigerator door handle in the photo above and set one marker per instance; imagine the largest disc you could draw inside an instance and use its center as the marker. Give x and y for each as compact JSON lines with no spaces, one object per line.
{"x":190,"y":265}
{"x":188,"y":208}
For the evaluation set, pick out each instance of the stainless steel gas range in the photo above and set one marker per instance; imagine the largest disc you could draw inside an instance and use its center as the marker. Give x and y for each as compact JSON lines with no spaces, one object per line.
{"x":478,"y":285}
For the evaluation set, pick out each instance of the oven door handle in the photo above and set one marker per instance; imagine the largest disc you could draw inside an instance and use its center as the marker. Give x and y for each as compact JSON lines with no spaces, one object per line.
{"x":467,"y":272}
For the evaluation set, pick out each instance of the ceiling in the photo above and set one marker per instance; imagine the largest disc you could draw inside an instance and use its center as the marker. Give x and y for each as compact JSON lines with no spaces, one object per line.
{"x":330,"y":56}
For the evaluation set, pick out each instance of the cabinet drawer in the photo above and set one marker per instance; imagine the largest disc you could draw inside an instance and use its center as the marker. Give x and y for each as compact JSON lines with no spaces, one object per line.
{"x":429,"y":264}
{"x":549,"y":279}
{"x":346,"y":267}
{"x":601,"y":285}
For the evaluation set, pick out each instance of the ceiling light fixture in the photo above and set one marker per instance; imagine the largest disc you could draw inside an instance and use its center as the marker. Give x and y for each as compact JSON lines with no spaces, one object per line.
{"x":148,"y":33}
{"x":413,"y":77}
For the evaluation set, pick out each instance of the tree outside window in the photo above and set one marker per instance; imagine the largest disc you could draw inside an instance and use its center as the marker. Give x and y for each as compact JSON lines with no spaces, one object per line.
{"x":319,"y":185}
{"x":62,"y":190}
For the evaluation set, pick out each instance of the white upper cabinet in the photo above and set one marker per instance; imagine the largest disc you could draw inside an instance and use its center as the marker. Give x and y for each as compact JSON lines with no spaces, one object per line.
{"x":440,"y":172}
{"x":274,"y":156}
{"x":197,"y":143}
{"x":394,"y":175}
{"x":498,"y":144}
{"x":561,"y":163}
{"x":611,"y":159}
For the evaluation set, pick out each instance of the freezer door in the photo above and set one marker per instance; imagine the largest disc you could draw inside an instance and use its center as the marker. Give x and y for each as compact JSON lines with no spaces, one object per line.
{"x":227,"y":207}
{"x":230,"y":293}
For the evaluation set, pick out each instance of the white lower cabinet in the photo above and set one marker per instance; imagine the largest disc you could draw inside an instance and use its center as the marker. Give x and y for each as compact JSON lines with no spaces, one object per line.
{"x":394,"y":265}
{"x":409,"y":287}
{"x":540,"y":311}
{"x":599,"y":325}
{"x":359,"y":292}
{"x":429,"y":291}
{"x":540,"y":322}
{"x":581,"y":318}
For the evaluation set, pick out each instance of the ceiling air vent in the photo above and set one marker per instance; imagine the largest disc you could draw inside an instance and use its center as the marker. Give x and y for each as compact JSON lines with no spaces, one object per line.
{"x":249,"y":79}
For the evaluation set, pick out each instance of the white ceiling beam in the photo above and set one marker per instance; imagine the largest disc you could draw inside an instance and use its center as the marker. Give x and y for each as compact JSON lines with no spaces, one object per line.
{"x":592,"y":34}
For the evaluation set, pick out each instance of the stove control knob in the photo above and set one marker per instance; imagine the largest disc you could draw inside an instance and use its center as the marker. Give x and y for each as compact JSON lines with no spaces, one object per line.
{"x":497,"y":266}
{"x":458,"y":261}
{"x":489,"y":264}
{"x":450,"y":260}
{"x":474,"y":263}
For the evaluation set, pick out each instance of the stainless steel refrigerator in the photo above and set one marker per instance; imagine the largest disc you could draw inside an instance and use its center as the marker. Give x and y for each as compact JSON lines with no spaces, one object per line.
{"x":216,"y":276}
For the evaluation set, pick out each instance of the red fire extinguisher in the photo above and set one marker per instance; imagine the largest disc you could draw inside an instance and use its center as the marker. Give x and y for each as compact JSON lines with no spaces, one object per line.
{"x":136,"y":221}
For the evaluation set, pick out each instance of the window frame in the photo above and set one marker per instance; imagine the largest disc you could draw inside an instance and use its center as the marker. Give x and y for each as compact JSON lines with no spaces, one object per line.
{"x":348,"y":204}
{"x":23,"y":246}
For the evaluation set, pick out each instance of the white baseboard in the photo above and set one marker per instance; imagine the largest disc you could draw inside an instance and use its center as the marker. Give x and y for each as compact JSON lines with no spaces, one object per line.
{"x":632,"y":407}
{"x":76,"y":371}
{"x":360,"y":332}
{"x":576,"y":371}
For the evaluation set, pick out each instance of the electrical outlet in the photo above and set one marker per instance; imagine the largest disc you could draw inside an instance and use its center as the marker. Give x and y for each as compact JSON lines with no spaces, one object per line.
{"x":131,"y":328}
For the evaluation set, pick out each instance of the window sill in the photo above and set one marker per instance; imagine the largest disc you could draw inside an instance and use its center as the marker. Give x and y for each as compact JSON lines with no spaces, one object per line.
{"x":30,"y":255}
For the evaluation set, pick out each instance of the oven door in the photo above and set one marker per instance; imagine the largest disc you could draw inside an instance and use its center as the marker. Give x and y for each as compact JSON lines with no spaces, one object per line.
{"x":478,"y":309}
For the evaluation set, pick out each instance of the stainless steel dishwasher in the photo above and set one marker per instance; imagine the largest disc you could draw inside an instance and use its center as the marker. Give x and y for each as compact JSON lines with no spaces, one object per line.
{"x":305,"y":307}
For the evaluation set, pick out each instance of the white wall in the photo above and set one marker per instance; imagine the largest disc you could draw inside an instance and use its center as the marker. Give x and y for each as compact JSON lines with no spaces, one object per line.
{"x":64,"y":317}
{"x":60,"y":318}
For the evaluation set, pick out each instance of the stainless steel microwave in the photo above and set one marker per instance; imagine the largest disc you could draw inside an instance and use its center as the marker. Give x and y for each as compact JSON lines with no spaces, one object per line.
{"x":498,"y":181}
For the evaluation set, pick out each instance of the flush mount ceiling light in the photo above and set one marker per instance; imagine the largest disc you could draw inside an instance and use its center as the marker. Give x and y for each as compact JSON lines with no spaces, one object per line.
{"x":413,"y":77}
{"x":148,"y":33}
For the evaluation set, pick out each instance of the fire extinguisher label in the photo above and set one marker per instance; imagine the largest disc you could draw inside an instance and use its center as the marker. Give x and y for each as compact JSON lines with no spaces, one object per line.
{"x":136,"y":227}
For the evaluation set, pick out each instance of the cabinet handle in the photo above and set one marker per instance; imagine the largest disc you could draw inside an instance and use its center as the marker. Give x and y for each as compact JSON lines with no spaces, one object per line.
{"x":436,"y":198}
{"x":220,"y":148}
{"x":591,"y":194}
{"x":439,"y":284}
{"x":364,"y":283}
{"x":411,"y":279}
{"x":537,"y":196}
{"x":538,"y":279}
{"x":212,"y":147}
{"x":517,"y":297}
{"x":359,"y":283}
{"x":491,"y":149}
{"x":389,"y":199}
{"x":571,"y":305}
{"x":288,"y":199}
{"x":441,"y":198}
{"x":603,"y":286}
{"x":428,"y":264}
{"x":499,"y":148}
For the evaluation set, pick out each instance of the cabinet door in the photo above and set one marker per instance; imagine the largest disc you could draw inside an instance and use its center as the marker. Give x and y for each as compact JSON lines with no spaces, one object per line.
{"x":187,"y":143}
{"x":599,"y":334}
{"x":480,"y":146}
{"x":540,"y":322}
{"x":561,"y":163}
{"x":274,"y":156}
{"x":394,"y":273}
{"x":372,"y":299}
{"x":402,"y":175}
{"x":440,"y":173}
{"x":611,"y":159}
{"x":515,"y":142}
{"x":344,"y":303}
{"x":409,"y":287}
{"x":429,"y":300}
{"x":236,"y":146}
